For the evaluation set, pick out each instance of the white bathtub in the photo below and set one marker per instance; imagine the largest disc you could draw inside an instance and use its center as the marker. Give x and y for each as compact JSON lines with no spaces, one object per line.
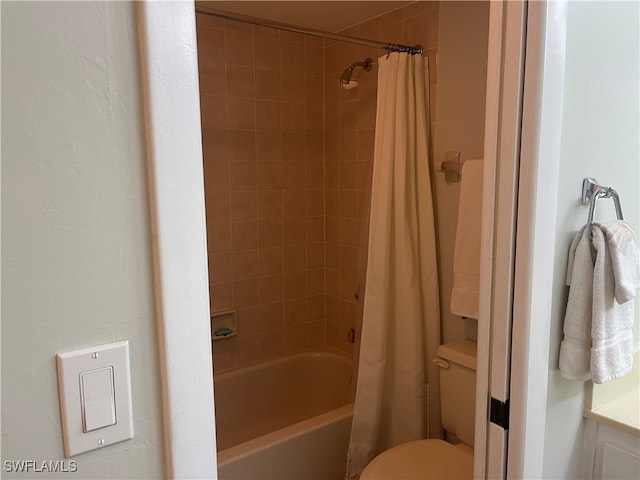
{"x":289,"y":418}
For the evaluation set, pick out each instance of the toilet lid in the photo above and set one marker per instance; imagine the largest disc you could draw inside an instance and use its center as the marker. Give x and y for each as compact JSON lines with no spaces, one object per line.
{"x":422,"y":459}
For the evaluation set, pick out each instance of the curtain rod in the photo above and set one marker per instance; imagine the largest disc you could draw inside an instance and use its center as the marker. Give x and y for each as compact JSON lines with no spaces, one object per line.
{"x":390,"y":47}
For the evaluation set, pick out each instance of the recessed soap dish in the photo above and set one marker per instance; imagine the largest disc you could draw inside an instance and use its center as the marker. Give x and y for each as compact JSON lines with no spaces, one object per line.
{"x":224,"y":325}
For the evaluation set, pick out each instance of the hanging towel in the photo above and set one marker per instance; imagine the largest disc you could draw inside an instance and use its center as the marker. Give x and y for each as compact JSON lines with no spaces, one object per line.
{"x":598,"y":338}
{"x":466,"y":259}
{"x":576,"y":345}
{"x":615,"y":281}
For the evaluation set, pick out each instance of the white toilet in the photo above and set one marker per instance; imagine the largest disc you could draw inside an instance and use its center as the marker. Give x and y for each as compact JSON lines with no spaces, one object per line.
{"x":433,"y":458}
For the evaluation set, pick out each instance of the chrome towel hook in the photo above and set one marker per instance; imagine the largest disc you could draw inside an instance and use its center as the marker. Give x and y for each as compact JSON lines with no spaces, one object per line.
{"x":591,"y":191}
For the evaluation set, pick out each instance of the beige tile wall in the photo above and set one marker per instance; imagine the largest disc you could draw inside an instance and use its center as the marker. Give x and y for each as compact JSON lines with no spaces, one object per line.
{"x":263,"y":141}
{"x":287,"y":159}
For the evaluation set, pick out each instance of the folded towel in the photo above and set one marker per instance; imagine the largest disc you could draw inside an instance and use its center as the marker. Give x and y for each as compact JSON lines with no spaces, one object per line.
{"x":576,"y":345}
{"x":625,"y":258}
{"x":466,"y":259}
{"x":615,"y":281}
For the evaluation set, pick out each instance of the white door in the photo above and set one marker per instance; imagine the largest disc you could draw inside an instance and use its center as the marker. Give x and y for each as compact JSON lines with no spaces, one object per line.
{"x":507,"y":27}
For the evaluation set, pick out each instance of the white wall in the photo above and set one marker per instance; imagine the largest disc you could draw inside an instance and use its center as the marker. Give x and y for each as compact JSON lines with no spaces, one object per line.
{"x":462,"y":74}
{"x":599,"y":139}
{"x":76,"y":260}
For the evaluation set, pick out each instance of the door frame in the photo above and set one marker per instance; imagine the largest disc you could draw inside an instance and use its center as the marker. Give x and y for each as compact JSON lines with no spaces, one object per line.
{"x":169,"y":81}
{"x":536,"y":239}
{"x":505,"y":78}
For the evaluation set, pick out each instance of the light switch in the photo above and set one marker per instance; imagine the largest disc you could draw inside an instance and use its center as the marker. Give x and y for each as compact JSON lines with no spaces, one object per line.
{"x":98,"y":400}
{"x":95,"y":397}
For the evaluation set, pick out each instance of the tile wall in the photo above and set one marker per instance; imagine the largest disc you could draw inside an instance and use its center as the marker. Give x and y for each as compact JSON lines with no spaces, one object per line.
{"x":287,"y":160}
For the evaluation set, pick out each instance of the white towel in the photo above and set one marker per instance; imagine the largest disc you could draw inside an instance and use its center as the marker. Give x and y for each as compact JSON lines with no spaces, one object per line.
{"x":598,"y":338}
{"x":616,"y":277}
{"x":466,"y":258}
{"x":576,"y":345}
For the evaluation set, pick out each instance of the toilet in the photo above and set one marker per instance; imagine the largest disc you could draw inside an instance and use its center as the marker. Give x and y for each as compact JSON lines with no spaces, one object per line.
{"x":434,"y":458}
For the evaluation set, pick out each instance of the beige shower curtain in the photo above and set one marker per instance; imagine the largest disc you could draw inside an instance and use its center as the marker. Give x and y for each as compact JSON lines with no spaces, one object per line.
{"x":400,"y":329}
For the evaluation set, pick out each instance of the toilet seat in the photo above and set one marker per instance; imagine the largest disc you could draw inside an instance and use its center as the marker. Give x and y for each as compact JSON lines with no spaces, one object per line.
{"x":421,"y":459}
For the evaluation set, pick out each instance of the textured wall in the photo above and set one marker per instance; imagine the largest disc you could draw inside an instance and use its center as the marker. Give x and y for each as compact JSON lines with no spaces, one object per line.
{"x":76,"y":260}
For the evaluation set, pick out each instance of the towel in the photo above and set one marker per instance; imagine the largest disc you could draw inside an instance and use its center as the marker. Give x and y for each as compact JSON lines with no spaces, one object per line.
{"x":576,"y":344}
{"x":603,"y":275}
{"x":466,"y":258}
{"x":616,"y":277}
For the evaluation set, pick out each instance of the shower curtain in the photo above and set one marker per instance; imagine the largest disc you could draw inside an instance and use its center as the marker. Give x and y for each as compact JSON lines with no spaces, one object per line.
{"x":400,"y":328}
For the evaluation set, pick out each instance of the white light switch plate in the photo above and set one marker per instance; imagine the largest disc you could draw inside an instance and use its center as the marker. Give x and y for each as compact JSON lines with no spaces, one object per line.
{"x":74,"y":368}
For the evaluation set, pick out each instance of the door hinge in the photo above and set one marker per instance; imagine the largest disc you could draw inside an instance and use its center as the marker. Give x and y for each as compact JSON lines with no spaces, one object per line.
{"x":499,"y":414}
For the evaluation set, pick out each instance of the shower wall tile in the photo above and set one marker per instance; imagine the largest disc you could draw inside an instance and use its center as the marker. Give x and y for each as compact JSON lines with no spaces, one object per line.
{"x":216,"y":176}
{"x":313,"y":61}
{"x":218,"y":237}
{"x":214,"y":144}
{"x":213,"y":111}
{"x":244,"y":236}
{"x":292,"y":55}
{"x":292,"y":87}
{"x":294,"y":231}
{"x":245,"y":264}
{"x":247,"y":350}
{"x":295,"y":312}
{"x":217,"y":205}
{"x":238,"y":48}
{"x":392,"y":32}
{"x":270,"y":261}
{"x":211,"y":44}
{"x":267,"y":116}
{"x":240,"y":81}
{"x":267,"y":53}
{"x":269,"y":176}
{"x":414,"y":32}
{"x":212,"y":78}
{"x":242,"y":176}
{"x":241,"y":113}
{"x":271,"y":289}
{"x":390,"y":18}
{"x":293,"y":117}
{"x":241,"y":144}
{"x":316,"y":308}
{"x":221,"y":268}
{"x":267,"y":86}
{"x":245,"y":293}
{"x":293,"y":201}
{"x":270,"y":233}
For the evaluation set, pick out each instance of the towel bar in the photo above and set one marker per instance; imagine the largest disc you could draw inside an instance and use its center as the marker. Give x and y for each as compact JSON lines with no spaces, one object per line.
{"x":591,"y":191}
{"x":451,"y":167}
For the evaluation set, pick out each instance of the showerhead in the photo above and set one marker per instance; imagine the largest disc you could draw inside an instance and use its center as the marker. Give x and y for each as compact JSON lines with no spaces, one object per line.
{"x":345,"y":78}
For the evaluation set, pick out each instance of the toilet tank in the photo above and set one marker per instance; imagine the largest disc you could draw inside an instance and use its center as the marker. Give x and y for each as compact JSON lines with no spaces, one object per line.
{"x":457,"y":362}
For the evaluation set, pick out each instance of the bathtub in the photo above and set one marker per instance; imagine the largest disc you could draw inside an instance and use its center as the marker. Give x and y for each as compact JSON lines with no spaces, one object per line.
{"x":289,"y":418}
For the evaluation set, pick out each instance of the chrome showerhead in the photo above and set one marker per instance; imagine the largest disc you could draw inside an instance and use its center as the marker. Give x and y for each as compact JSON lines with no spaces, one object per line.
{"x":345,"y":78}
